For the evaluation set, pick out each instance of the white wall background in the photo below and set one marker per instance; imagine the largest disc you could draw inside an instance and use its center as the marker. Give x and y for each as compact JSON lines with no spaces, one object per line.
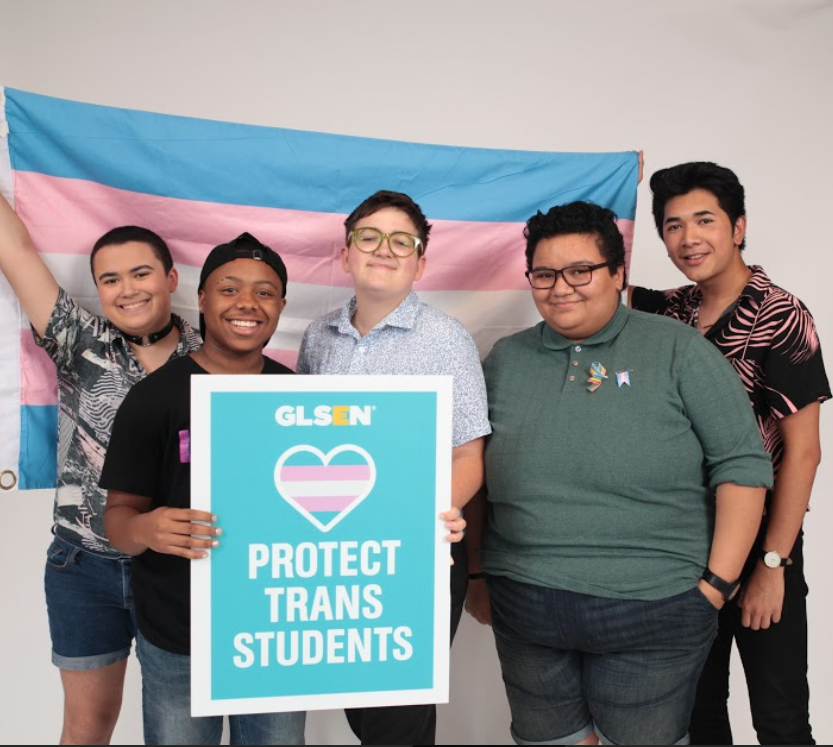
{"x":745,"y":83}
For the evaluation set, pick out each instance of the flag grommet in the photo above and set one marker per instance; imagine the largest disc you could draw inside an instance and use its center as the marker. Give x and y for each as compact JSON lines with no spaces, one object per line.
{"x":8,"y":480}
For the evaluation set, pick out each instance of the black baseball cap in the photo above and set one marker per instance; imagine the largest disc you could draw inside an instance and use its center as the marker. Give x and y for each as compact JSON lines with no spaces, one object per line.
{"x":245,"y":246}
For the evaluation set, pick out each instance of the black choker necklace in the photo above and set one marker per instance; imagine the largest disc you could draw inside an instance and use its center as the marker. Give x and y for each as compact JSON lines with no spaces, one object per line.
{"x":147,"y":340}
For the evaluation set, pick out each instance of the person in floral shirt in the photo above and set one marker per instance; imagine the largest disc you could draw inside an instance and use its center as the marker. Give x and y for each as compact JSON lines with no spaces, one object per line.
{"x":98,"y":358}
{"x":770,"y":338}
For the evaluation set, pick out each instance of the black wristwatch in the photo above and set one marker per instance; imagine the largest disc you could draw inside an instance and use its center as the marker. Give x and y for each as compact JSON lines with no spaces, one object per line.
{"x":726,"y":588}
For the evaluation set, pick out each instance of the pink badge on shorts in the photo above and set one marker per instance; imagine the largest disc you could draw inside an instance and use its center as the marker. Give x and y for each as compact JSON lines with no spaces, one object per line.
{"x":185,"y":447}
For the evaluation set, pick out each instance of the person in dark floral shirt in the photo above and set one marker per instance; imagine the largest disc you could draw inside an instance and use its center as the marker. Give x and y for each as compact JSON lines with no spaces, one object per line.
{"x":770,"y":338}
{"x":98,"y":359}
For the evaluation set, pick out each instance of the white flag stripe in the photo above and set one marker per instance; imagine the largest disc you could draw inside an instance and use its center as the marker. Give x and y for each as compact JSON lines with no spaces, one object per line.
{"x":324,"y":488}
{"x":488,"y":315}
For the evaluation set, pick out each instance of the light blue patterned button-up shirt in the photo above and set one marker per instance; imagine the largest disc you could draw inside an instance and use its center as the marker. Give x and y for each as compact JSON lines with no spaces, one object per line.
{"x":414,"y":339}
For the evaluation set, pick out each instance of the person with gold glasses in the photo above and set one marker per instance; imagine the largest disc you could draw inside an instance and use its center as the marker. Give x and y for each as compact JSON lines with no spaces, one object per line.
{"x":386,"y":329}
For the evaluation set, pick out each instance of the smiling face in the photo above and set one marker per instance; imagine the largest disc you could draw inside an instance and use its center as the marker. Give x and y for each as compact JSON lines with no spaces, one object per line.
{"x":241,"y":302}
{"x":576,"y":313}
{"x":700,"y":238}
{"x":382,"y":274}
{"x":134,"y":289}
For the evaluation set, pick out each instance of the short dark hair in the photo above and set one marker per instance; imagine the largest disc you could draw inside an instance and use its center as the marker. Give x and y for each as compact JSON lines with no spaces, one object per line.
{"x":582,"y":218}
{"x":125,"y":234}
{"x":679,"y":180}
{"x":384,"y":199}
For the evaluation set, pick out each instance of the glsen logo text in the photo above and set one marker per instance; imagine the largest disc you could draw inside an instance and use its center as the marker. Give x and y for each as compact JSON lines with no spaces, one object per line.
{"x":324,"y":415}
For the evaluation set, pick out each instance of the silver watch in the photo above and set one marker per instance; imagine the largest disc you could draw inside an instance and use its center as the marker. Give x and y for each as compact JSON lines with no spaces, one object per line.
{"x":773,"y":559}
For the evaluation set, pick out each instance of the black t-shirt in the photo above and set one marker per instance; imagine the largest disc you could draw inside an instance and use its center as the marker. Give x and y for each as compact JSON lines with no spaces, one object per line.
{"x":149,"y":455}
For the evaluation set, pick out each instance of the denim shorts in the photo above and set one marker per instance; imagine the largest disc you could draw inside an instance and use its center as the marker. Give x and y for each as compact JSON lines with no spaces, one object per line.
{"x":166,"y":708}
{"x":90,"y":604}
{"x":574,"y":664}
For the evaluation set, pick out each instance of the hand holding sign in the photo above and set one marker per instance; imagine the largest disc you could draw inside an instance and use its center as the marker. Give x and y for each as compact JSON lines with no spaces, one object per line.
{"x":331,"y":586}
{"x":180,"y":531}
{"x":456,"y":525}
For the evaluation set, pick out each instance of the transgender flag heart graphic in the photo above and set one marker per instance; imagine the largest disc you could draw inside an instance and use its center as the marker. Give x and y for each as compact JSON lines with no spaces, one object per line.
{"x":322,"y":491}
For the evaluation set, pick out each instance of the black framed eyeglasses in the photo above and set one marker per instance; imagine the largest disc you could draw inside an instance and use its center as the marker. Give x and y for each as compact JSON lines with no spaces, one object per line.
{"x":401,"y":243}
{"x":543,"y":278}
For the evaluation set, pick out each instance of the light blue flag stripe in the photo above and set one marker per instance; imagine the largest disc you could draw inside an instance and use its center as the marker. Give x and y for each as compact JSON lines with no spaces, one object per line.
{"x":272,"y":167}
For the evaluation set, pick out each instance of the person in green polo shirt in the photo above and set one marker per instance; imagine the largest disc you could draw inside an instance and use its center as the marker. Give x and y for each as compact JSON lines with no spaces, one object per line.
{"x":625,"y":478}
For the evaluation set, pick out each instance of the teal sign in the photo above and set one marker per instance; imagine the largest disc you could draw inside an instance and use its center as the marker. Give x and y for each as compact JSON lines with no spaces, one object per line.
{"x":330,"y":584}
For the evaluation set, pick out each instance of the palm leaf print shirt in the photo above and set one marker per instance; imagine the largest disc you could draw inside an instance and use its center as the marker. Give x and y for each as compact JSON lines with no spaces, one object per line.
{"x":769,"y":337}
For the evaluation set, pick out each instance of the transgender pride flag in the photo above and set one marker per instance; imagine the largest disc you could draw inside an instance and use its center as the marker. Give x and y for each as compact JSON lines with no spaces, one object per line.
{"x":75,"y":170}
{"x":324,"y":488}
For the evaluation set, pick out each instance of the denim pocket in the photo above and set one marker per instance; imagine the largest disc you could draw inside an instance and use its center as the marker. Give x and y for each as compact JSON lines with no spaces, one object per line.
{"x":61,"y":555}
{"x":704,"y":600}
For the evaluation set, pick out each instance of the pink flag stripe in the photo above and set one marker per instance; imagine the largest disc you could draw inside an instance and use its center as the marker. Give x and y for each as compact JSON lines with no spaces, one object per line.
{"x":289,"y":358}
{"x":39,"y":381}
{"x":332,"y":472}
{"x":462,"y":255}
{"x":314,"y":504}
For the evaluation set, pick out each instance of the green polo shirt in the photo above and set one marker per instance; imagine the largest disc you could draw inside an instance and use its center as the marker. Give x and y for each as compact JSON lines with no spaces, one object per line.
{"x":611,"y":492}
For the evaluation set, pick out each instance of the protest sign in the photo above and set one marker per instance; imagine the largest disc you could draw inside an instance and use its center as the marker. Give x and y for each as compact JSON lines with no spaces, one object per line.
{"x":330,"y":587}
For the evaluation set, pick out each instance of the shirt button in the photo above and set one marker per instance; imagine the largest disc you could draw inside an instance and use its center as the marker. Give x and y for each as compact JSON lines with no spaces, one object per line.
{"x":572,"y":378}
{"x":578,"y":348}
{"x":575,"y":363}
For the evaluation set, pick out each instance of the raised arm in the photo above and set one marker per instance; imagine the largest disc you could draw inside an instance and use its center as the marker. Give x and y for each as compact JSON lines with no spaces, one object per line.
{"x":30,"y":279}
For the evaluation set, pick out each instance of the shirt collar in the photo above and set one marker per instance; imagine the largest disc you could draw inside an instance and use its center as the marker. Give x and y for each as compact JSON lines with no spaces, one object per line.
{"x":404,"y":316}
{"x":756,"y":287}
{"x":554,"y":341}
{"x":188,"y":338}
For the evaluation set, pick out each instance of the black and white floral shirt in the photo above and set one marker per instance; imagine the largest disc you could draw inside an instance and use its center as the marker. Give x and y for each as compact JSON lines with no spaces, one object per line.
{"x":96,"y":368}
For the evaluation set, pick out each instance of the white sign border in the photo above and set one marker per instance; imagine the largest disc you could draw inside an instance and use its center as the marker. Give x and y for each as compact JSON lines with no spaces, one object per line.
{"x":202,"y":387}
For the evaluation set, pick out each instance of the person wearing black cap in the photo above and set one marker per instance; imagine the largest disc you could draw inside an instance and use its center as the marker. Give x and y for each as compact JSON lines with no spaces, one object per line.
{"x":242,"y":293}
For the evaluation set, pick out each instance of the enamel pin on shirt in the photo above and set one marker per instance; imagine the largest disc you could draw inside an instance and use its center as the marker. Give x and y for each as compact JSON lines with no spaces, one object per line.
{"x":597,"y":373}
{"x":623,"y":378}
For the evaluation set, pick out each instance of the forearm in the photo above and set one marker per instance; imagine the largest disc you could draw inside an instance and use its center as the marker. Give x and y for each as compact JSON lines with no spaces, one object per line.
{"x":123,"y":526}
{"x":123,"y":522}
{"x":31,"y":280}
{"x":738,"y":518}
{"x":14,"y":238}
{"x":467,"y":472}
{"x":790,"y":498}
